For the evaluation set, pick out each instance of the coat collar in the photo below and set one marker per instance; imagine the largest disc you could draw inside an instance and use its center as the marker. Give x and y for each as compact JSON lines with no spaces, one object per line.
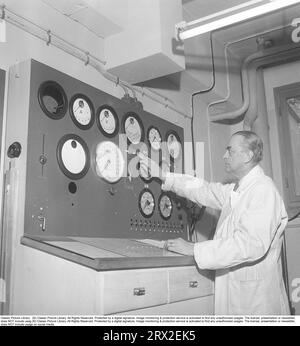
{"x":255,"y":172}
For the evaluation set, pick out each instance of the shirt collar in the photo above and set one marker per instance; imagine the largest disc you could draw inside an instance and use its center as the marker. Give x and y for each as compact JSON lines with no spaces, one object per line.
{"x":250,"y":176}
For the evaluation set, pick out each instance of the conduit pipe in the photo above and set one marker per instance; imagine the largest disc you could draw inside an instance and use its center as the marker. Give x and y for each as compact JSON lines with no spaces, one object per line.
{"x":227,"y":46}
{"x":261,"y":125}
{"x":245,"y":89}
{"x":51,"y":38}
{"x":285,"y":51}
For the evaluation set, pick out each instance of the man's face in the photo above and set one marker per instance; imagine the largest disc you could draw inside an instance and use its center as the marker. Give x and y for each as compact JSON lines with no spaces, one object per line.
{"x":235,"y":156}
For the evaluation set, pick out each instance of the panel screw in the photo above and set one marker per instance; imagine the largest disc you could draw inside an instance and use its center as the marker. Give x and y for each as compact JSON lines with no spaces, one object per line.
{"x":42,"y":159}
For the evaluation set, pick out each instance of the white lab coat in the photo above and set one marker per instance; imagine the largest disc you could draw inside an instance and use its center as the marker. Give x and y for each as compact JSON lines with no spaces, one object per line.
{"x":246,"y":249}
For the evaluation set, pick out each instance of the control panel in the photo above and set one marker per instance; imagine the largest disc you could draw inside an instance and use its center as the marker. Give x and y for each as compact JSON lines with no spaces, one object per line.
{"x":83,"y":177}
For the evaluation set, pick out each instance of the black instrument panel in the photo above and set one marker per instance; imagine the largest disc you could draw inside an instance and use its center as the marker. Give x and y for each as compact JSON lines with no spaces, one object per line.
{"x":90,"y":183}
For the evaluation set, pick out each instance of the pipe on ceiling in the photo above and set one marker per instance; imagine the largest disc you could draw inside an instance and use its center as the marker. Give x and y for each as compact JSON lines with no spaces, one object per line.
{"x":281,"y":54}
{"x":226,"y":49}
{"x":51,"y":38}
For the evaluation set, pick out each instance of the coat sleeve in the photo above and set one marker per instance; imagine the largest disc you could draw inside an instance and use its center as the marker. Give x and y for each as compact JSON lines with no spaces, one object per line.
{"x":252,"y":235}
{"x":213,"y":195}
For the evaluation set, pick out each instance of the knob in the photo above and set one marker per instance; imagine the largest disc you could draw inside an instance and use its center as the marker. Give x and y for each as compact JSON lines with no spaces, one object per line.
{"x":14,"y":150}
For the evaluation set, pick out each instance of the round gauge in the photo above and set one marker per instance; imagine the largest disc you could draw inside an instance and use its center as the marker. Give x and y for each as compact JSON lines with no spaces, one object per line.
{"x":73,"y":156}
{"x":107,"y":121}
{"x":173,"y":144}
{"x":133,"y":128}
{"x":110,"y":162}
{"x":154,"y":138}
{"x":82,"y":111}
{"x":165,"y":206}
{"x":52,"y":99}
{"x":146,"y":203}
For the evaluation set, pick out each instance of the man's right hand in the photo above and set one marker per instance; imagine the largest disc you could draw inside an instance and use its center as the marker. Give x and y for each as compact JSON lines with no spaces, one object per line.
{"x":150,"y":167}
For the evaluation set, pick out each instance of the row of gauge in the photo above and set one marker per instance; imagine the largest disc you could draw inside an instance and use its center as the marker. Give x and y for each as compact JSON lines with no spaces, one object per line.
{"x":73,"y":158}
{"x":53,"y":101}
{"x":147,"y":204}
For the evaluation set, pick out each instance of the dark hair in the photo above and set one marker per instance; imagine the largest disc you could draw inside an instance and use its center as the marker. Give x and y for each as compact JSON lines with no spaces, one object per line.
{"x":254,"y":143}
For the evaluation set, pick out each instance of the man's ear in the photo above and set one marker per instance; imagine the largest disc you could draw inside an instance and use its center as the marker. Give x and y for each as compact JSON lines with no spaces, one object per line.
{"x":249,"y":156}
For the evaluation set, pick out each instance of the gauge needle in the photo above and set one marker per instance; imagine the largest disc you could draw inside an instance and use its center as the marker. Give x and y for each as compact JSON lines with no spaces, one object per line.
{"x":166,"y":206}
{"x":108,"y":162}
{"x":59,"y":107}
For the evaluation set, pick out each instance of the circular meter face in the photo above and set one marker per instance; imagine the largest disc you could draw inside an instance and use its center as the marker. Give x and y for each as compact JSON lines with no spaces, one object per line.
{"x":73,"y":156}
{"x":165,"y":206}
{"x":107,"y":121}
{"x":133,"y":128}
{"x":82,"y":111}
{"x":154,"y":138}
{"x":146,"y":203}
{"x":110,"y":162}
{"x":173,"y":145}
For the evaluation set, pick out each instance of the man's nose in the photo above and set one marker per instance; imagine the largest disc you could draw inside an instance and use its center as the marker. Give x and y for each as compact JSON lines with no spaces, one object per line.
{"x":225,"y":156}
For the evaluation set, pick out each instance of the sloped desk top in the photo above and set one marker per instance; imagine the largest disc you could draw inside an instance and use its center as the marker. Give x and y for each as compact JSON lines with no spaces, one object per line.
{"x":103,"y":254}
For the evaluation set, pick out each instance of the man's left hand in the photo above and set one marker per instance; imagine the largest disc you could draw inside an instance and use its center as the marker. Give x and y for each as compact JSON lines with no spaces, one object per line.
{"x":181,"y":246}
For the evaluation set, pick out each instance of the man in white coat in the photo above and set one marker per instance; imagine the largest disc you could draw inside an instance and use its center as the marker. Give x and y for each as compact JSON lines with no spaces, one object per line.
{"x":246,"y":249}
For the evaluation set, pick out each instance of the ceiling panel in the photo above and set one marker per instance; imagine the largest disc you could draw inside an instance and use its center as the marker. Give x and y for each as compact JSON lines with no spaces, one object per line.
{"x":67,"y":7}
{"x":96,"y":22}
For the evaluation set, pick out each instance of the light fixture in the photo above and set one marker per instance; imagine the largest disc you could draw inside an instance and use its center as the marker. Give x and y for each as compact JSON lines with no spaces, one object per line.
{"x":206,"y":25}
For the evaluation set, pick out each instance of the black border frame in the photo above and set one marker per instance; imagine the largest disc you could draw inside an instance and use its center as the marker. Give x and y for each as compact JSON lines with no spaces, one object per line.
{"x":148,"y":131}
{"x":114,"y":113}
{"x":61,"y":165}
{"x":159,"y":199}
{"x":173,"y":132}
{"x":89,"y":102}
{"x":42,"y":88}
{"x":137,"y":117}
{"x":139,"y":203}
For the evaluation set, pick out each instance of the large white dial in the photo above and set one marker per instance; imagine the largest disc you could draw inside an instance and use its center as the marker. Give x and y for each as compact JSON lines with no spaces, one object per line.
{"x":73,"y":156}
{"x":107,"y":121}
{"x":173,"y":145}
{"x":110,"y":162}
{"x":154,"y":138}
{"x":82,"y":111}
{"x":133,"y":128}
